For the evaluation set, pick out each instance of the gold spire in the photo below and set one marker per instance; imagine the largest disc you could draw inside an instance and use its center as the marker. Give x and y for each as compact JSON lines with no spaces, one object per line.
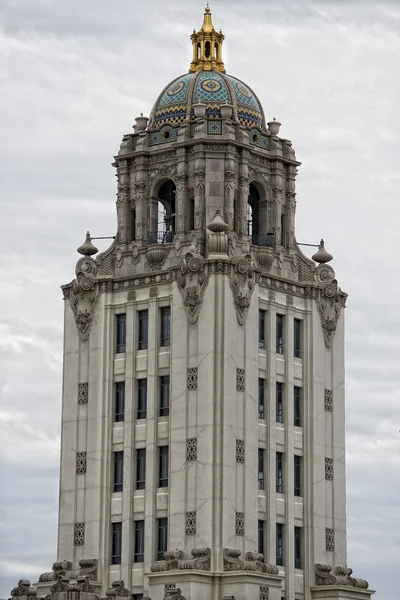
{"x":207,"y":46}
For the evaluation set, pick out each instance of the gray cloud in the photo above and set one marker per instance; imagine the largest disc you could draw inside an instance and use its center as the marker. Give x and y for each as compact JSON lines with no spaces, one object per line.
{"x":73,"y":77}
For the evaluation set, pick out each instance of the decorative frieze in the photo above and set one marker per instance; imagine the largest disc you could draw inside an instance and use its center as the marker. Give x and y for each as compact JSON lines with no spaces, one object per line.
{"x":328,"y":400}
{"x":190,"y":525}
{"x":240,"y":451}
{"x":239,"y":523}
{"x":80,"y":463}
{"x":240,"y":380}
{"x":329,"y":539}
{"x":192,"y":378}
{"x":79,"y":534}
{"x":329,"y":469}
{"x":191,"y":449}
{"x":83,"y":393}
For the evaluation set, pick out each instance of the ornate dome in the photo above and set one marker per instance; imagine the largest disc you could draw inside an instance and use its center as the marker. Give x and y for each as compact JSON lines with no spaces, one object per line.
{"x":213,"y":89}
{"x":207,"y":83}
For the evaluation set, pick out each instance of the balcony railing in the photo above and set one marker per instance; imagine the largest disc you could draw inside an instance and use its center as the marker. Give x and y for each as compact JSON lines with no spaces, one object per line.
{"x":263,"y":239}
{"x":160,"y":237}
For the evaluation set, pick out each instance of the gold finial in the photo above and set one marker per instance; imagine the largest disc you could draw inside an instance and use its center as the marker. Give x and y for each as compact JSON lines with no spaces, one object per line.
{"x":207,"y":46}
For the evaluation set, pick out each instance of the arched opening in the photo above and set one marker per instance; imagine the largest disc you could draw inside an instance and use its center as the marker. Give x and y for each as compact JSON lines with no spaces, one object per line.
{"x":207,"y":50}
{"x":166,"y":212}
{"x":191,"y":214}
{"x":198,"y":50}
{"x":133,"y":225}
{"x":283,"y":229}
{"x":216,"y":51}
{"x":253,"y":214}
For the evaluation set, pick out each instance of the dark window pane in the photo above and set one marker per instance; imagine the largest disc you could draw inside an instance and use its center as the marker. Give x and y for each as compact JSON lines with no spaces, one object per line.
{"x":116,"y":543}
{"x":143,"y":326}
{"x":261,"y":392}
{"x":297,"y":338}
{"x":261,"y":329}
{"x":279,"y":545}
{"x":279,"y":473}
{"x":163,"y":466}
{"x":297,"y":406}
{"x":164,"y":396}
{"x":162,"y":537}
{"x":142,"y":398}
{"x":140,"y":468}
{"x":120,"y":333}
{"x":119,"y":404}
{"x":138,"y":551}
{"x":137,"y":596}
{"x":279,"y":334}
{"x":279,"y":402}
{"x":165,"y":326}
{"x":297,"y":475}
{"x":297,"y":548}
{"x":260,"y":468}
{"x":118,"y":471}
{"x":260,"y":548}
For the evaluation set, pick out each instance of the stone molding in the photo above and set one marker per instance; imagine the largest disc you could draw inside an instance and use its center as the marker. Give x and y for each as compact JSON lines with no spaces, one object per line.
{"x":327,"y":575}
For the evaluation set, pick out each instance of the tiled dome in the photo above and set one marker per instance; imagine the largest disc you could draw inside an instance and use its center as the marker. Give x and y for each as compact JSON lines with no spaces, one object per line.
{"x":212,"y":88}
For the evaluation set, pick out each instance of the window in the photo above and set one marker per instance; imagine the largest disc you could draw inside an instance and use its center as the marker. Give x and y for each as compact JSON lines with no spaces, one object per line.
{"x":116,"y":543}
{"x":260,"y":545}
{"x":165,"y":326}
{"x":279,"y":334}
{"x":162,"y":537}
{"x":141,"y":398}
{"x":279,"y":473}
{"x":138,"y":551}
{"x":143,"y":326}
{"x":297,"y":548}
{"x":279,"y":402}
{"x":279,"y":544}
{"x":119,"y":404}
{"x":260,"y":468}
{"x":140,"y":468}
{"x":297,"y":406}
{"x":261,"y":392}
{"x":253,"y":214}
{"x":297,"y":475}
{"x":120,"y":333}
{"x":164,"y":396}
{"x":297,"y":338}
{"x":118,"y":471}
{"x":261,"y":329}
{"x":137,"y":596}
{"x":163,"y":466}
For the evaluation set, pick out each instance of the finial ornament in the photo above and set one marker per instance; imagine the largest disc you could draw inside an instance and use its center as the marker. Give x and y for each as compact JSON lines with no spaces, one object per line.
{"x":207,"y":46}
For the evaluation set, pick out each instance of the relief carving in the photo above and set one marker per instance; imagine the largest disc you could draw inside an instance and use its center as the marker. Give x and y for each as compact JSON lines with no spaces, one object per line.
{"x":192,"y":279}
{"x":339,"y":576}
{"x":242,"y":281}
{"x":83,"y":294}
{"x":330,"y":300}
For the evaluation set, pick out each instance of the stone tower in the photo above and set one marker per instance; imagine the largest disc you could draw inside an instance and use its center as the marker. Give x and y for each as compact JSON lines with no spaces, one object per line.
{"x":203,"y":391}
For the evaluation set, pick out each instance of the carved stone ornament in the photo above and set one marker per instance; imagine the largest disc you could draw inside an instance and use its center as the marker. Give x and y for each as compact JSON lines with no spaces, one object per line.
{"x":156,"y":256}
{"x":170,"y":562}
{"x":23,"y":589}
{"x":242,"y":281}
{"x":192,"y":279}
{"x":175,"y":594}
{"x":118,"y":589}
{"x":339,"y":576}
{"x":88,"y":568}
{"x":200,"y":561}
{"x":62,"y":585}
{"x":265,"y":258}
{"x":330,"y":300}
{"x":83,"y":294}
{"x":252,"y":562}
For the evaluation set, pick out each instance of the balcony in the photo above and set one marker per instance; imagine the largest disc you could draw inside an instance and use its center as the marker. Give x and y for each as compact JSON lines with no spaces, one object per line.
{"x":160,"y":237}
{"x":263,"y":239}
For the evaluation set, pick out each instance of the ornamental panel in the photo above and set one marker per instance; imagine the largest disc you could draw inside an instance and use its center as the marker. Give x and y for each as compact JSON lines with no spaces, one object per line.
{"x":264,"y":592}
{"x":190,"y":526}
{"x":329,"y":469}
{"x":239,"y":523}
{"x":240,"y":451}
{"x":83,"y":393}
{"x":79,"y":534}
{"x":80,"y":463}
{"x":191,"y":449}
{"x":240,"y":380}
{"x":329,"y":400}
{"x":329,"y":539}
{"x":192,"y":378}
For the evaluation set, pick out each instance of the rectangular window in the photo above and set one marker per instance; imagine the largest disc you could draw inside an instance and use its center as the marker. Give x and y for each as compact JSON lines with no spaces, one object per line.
{"x":118,"y":471}
{"x":279,"y":544}
{"x":140,"y":468}
{"x":137,"y":596}
{"x":260,"y":468}
{"x":297,"y":338}
{"x":119,"y":403}
{"x":279,"y":473}
{"x":164,"y":396}
{"x":141,"y":398}
{"x":279,"y":402}
{"x":165,"y":326}
{"x":120,"y":337}
{"x":138,"y":551}
{"x":143,"y":327}
{"x":261,"y":329}
{"x":260,"y":548}
{"x":279,"y":334}
{"x":261,"y":393}
{"x":297,"y":475}
{"x":163,"y":466}
{"x":297,"y":406}
{"x":297,"y":548}
{"x":162,"y":537}
{"x":116,"y":543}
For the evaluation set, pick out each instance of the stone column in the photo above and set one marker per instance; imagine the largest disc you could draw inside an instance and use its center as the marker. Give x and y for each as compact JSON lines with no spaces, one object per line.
{"x":230,"y":184}
{"x":181,"y":201}
{"x":277,"y":192}
{"x":199,"y":196}
{"x":141,"y":209}
{"x":123,"y":197}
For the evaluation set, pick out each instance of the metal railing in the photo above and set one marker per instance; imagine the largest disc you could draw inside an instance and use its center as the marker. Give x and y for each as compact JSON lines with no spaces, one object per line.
{"x":263,"y":239}
{"x":160,"y":237}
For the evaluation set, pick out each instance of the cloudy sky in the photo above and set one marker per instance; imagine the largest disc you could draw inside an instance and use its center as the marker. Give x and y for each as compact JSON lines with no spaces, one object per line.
{"x":73,"y":76}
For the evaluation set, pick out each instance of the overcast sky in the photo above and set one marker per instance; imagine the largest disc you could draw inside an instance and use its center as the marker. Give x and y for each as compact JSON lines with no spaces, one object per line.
{"x":73,"y":76}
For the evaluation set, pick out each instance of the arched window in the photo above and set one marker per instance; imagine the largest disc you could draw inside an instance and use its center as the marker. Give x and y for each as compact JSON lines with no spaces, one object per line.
{"x":198,"y":50}
{"x":208,"y":50}
{"x":133,"y":225}
{"x":166,"y":212}
{"x":216,"y":51}
{"x":253,"y":214}
{"x":191,"y":214}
